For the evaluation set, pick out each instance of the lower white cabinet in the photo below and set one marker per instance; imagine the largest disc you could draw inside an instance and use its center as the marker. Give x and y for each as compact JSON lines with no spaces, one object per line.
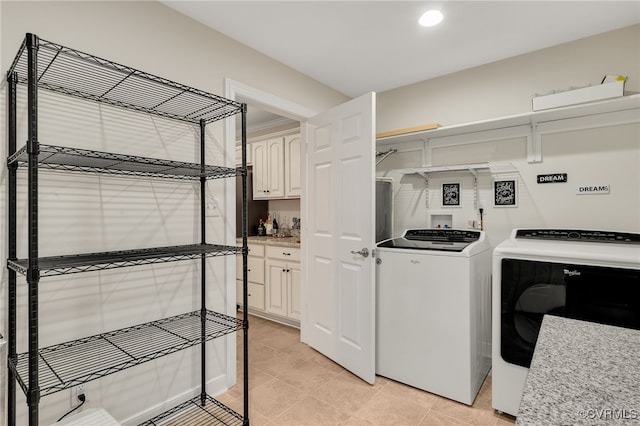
{"x":255,"y":277}
{"x":282,"y":296}
{"x":273,"y":282}
{"x":255,"y":295}
{"x":283,"y":288}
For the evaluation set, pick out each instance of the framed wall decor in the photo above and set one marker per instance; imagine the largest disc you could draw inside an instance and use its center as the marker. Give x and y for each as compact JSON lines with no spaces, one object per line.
{"x":451,"y":194}
{"x":505,"y":193}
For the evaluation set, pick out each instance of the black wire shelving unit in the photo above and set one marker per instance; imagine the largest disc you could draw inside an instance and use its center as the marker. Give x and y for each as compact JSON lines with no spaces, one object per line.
{"x":43,"y":65}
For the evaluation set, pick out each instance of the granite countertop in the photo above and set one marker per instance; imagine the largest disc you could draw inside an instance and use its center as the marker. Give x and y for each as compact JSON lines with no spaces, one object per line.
{"x":273,"y":241}
{"x":582,"y":373}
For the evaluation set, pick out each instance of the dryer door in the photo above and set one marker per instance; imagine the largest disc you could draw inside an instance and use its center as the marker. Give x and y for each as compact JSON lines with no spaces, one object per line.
{"x":531,"y":289}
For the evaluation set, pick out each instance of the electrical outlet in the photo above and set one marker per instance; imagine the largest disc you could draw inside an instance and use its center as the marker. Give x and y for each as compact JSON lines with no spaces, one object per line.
{"x":76,"y":391}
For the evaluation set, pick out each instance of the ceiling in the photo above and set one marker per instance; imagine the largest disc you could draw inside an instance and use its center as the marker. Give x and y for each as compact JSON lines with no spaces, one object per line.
{"x":356,"y":47}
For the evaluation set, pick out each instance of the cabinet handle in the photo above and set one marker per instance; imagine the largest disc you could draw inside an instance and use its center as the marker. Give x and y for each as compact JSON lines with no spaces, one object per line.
{"x":284,"y":270}
{"x":286,"y":254}
{"x":248,"y":270}
{"x":249,"y":294}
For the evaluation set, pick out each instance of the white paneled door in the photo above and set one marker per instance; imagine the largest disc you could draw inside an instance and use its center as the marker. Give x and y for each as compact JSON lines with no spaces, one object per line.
{"x":340,"y":234}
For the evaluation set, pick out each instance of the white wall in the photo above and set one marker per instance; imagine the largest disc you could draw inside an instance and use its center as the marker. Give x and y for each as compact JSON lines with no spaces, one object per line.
{"x":85,"y":213}
{"x":505,"y":87}
{"x":602,"y":155}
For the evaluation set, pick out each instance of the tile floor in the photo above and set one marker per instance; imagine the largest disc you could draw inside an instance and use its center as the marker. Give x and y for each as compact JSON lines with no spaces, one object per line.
{"x":291,"y":384}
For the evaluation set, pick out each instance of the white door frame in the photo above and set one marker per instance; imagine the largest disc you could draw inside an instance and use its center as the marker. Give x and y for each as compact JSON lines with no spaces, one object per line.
{"x":268,"y":102}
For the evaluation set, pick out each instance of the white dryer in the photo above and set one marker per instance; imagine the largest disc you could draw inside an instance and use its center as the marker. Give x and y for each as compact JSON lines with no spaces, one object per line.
{"x":433,"y":322}
{"x":586,"y":275}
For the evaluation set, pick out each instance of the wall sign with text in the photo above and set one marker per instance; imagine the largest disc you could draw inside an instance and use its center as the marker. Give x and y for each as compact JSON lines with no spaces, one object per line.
{"x":505,"y":193}
{"x":451,"y":194}
{"x":553,"y":178}
{"x":593,"y":189}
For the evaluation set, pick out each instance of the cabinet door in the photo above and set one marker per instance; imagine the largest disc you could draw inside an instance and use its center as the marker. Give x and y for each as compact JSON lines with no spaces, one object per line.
{"x":292,"y":181}
{"x":255,"y":295}
{"x":255,"y":269}
{"x":293,"y":291}
{"x":260,"y":170}
{"x":276,"y":287}
{"x":275,"y":153}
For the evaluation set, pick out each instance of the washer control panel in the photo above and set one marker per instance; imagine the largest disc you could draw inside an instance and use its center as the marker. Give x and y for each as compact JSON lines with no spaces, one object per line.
{"x":579,"y":235}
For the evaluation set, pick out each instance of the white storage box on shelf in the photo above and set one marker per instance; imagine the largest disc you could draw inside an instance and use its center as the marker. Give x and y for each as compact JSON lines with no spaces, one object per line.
{"x":92,"y":416}
{"x":598,"y":92}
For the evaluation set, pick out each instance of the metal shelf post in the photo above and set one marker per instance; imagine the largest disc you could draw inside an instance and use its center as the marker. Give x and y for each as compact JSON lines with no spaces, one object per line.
{"x":245,"y":253}
{"x":203,"y":278}
{"x":33,"y":273}
{"x":12,"y":234}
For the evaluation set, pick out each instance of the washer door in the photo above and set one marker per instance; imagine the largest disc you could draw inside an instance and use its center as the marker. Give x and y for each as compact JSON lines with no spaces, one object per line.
{"x":529,"y":291}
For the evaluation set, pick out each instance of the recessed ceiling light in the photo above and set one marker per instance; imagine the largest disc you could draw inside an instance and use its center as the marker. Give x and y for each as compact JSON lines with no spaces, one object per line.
{"x":431,"y":18}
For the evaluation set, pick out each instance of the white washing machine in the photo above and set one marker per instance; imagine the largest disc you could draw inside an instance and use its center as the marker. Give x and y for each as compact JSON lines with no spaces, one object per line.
{"x":587,"y":275}
{"x":433,"y":321}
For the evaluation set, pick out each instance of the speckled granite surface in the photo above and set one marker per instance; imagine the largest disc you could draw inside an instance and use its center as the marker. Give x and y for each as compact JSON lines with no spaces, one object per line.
{"x":582,"y":373}
{"x":272,"y":241}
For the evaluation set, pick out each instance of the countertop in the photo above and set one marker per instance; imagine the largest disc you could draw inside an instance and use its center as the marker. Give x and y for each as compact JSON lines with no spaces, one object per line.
{"x":582,"y":373}
{"x":272,"y":241}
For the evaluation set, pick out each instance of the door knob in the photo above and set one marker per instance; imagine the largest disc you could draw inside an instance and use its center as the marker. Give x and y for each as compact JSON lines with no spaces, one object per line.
{"x":364,"y":252}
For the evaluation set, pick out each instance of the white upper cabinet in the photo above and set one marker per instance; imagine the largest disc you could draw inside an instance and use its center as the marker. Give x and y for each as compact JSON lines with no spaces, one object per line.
{"x":276,"y":168}
{"x":292,"y":181}
{"x":268,"y":169}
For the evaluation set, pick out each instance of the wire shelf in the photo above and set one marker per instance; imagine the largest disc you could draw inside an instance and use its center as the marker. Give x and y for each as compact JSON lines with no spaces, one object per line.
{"x":84,"y":160}
{"x":69,"y":264}
{"x":81,"y":75}
{"x":193,"y":413}
{"x":69,"y":364}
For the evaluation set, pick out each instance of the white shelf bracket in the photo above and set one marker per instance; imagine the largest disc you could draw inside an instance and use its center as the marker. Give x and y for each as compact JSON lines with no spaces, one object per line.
{"x":534,"y":144}
{"x":426,"y":153}
{"x":426,"y":186}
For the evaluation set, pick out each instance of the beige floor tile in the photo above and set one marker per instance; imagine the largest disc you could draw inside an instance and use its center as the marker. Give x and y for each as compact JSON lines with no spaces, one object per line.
{"x":355,"y":421}
{"x":305,"y":351}
{"x":309,"y":412}
{"x":278,"y":338}
{"x":435,"y":418}
{"x":346,"y":392}
{"x":255,"y":418}
{"x":476,"y":416}
{"x":273,"y":398}
{"x":505,"y":419}
{"x":261,"y":355}
{"x":257,"y":377}
{"x":397,"y":389}
{"x":386,"y":408}
{"x":300,"y":373}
